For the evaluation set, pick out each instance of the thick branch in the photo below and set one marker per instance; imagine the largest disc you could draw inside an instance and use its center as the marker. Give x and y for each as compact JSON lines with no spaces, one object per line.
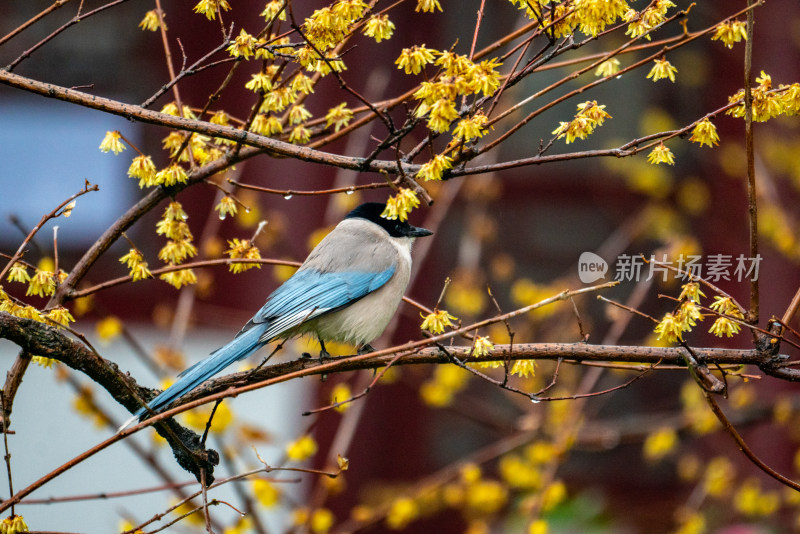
{"x":43,"y":340}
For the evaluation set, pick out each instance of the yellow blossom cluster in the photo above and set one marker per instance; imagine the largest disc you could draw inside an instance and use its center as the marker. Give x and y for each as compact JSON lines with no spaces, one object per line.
{"x":589,"y":16}
{"x":302,"y":448}
{"x":641,"y":23}
{"x":767,"y":103}
{"x":436,"y":322}
{"x":134,"y":260}
{"x":459,"y":76}
{"x":662,"y":69}
{"x":728,"y":310}
{"x":13,"y":524}
{"x":179,"y":245}
{"x":442,"y":387}
{"x":242,"y":248}
{"x":730,"y":32}
{"x":661,"y":154}
{"x":590,"y":115}
{"x":400,"y":205}
{"x":674,"y":324}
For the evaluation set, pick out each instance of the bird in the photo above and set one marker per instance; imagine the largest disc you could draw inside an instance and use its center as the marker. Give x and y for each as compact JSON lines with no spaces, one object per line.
{"x":346,"y":290}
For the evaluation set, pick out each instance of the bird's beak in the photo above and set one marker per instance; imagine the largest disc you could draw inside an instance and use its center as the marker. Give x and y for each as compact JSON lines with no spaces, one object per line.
{"x":415,"y":231}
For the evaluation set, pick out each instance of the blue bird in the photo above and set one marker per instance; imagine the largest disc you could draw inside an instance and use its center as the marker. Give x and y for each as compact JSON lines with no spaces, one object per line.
{"x":347,"y":290}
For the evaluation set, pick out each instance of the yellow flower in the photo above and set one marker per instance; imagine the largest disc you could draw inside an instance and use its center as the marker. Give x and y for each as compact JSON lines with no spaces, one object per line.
{"x":198,"y":418}
{"x":751,"y":500}
{"x":220,"y":117}
{"x":135,"y":262}
{"x":538,"y":526}
{"x":400,"y":205}
{"x":403,"y":511}
{"x":209,"y":7}
{"x":302,"y":84}
{"x":607,"y":68}
{"x":705,"y":133}
{"x":486,"y":496}
{"x":13,"y":524}
{"x":669,"y":329}
{"x":724,"y":325}
{"x":482,"y":347}
{"x":341,"y":393}
{"x":321,"y":520}
{"x":243,"y":45}
{"x":266,"y":125}
{"x":442,"y":113}
{"x":437,"y":321}
{"x":524,"y":368}
{"x":260,"y":81}
{"x":471,"y":127}
{"x":298,"y":114}
{"x":143,"y":168}
{"x":379,"y":27}
{"x":484,"y":76}
{"x":660,"y":443}
{"x":111,"y":143}
{"x":688,"y":314}
{"x":553,"y":495}
{"x":274,"y":8}
{"x":41,"y":361}
{"x":175,"y":252}
{"x":18,"y":273}
{"x":691,"y":291}
{"x":43,"y":283}
{"x":413,"y":60}
{"x":172,"y":175}
{"x":434,"y":169}
{"x":108,"y":328}
{"x":301,"y":449}
{"x":338,"y":116}
{"x":590,"y":115}
{"x":661,"y":154}
{"x":181,"y":278}
{"x":266,"y":492}
{"x":695,"y":523}
{"x":242,"y":249}
{"x":60,"y":315}
{"x":662,"y":69}
{"x":151,"y":21}
{"x":719,"y":477}
{"x":730,"y":32}
{"x":428,"y":6}
{"x":172,"y":109}
{"x":592,"y":16}
{"x":299,"y":135}
{"x":227,"y":206}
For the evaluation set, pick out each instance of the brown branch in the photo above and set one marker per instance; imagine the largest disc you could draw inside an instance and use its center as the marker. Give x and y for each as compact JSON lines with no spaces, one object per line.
{"x":729,"y":428}
{"x":133,"y":112}
{"x":43,"y":340}
{"x":39,"y":16}
{"x":74,"y":20}
{"x":752,"y":205}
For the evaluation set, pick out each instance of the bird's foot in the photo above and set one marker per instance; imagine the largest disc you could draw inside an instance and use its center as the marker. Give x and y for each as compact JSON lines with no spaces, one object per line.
{"x":324,"y":355}
{"x":365,"y":349}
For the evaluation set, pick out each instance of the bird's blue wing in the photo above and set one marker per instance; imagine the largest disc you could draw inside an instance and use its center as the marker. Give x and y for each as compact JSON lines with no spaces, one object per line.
{"x":309,"y":294}
{"x":305,"y":296}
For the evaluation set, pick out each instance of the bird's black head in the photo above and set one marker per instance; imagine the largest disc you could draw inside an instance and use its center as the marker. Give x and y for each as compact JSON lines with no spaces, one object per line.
{"x":371,"y":211}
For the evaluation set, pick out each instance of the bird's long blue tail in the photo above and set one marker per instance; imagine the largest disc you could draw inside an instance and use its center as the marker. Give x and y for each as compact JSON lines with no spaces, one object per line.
{"x":240,"y":347}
